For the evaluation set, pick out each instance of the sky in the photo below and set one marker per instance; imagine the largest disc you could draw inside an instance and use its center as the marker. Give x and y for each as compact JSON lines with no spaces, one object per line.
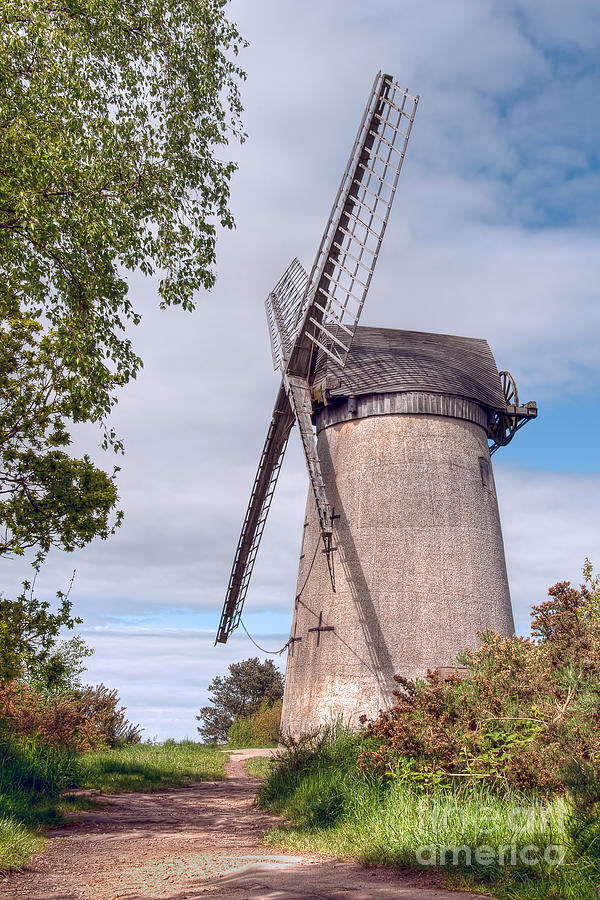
{"x":494,"y":233}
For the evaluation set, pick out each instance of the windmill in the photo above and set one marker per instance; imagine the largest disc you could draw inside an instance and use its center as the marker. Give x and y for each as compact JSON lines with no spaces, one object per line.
{"x":402,"y":557}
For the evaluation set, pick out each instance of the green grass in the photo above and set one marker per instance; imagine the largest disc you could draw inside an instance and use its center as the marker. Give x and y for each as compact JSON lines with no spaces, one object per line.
{"x":258,"y":766}
{"x":144,"y":767}
{"x":32,"y":776}
{"x":17,"y":844}
{"x":333,"y":808}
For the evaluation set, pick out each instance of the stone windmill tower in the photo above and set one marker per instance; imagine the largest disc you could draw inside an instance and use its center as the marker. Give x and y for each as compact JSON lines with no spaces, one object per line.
{"x":402,"y":557}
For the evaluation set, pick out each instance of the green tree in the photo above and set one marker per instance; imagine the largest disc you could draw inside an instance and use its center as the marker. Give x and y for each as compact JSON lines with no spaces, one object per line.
{"x":60,"y":672}
{"x":239,"y":694}
{"x":112,"y":115}
{"x":47,"y":498}
{"x":29,"y":639}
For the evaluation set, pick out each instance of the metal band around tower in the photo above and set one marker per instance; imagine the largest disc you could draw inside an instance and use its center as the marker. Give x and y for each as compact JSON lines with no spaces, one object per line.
{"x":402,"y":403}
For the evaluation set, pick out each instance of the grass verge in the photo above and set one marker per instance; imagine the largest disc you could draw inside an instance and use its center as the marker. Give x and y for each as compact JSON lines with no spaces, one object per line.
{"x":478,"y":839}
{"x":18,"y":843}
{"x":258,"y":766}
{"x":32,"y":775}
{"x":146,"y":767}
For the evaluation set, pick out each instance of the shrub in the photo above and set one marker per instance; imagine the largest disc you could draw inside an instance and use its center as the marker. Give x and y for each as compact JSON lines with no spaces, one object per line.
{"x":240,"y":733}
{"x":527,"y":708}
{"x":81,"y":720}
{"x":265,"y":723}
{"x":103,"y":721}
{"x":261,"y":729}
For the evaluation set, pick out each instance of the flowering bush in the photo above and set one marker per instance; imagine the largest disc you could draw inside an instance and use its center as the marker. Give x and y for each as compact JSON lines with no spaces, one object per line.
{"x":85,"y":719}
{"x":527,"y":707}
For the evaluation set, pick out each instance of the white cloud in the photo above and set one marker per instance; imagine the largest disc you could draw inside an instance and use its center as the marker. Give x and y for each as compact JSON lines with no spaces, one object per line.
{"x":532,"y":294}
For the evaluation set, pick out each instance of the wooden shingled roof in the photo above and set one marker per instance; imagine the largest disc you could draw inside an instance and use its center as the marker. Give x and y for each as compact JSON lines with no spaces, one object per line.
{"x":386,"y":360}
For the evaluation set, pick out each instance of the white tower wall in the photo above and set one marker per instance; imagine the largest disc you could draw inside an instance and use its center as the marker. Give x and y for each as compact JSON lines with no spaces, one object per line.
{"x":419,"y":568}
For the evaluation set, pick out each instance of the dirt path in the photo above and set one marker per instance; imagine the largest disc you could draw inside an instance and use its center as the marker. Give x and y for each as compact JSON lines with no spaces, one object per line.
{"x":197,"y":841}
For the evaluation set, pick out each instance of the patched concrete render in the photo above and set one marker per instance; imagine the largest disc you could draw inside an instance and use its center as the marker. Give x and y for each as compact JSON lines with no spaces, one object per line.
{"x":419,"y":567}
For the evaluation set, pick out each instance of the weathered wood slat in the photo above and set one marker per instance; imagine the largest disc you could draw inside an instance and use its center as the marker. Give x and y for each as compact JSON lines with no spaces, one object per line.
{"x":409,"y":403}
{"x":385,"y":360}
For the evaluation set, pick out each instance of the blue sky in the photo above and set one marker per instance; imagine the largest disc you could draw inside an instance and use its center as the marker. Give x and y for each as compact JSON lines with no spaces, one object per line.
{"x":494,"y":234}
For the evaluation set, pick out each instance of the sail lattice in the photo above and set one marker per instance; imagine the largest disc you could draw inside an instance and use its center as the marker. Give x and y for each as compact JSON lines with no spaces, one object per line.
{"x":344,"y":265}
{"x":284,"y":312}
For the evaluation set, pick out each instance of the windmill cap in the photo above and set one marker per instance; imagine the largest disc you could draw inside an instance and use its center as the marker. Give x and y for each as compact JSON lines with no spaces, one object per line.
{"x":388,"y":360}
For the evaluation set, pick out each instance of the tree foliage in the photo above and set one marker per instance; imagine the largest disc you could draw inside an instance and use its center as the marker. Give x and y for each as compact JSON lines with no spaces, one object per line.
{"x":29,"y":636}
{"x":249,"y":684}
{"x":61,"y":671}
{"x":528,"y":708}
{"x":112,"y":117}
{"x":47,"y":498}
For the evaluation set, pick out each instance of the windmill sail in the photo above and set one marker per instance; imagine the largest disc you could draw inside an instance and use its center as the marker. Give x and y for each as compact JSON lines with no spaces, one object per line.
{"x":256,"y":515}
{"x":344,"y":264}
{"x":285,"y":312}
{"x":300,"y":400}
{"x":322,"y":313}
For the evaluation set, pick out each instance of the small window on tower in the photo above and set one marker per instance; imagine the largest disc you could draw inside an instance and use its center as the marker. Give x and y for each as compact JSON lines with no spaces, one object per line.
{"x":486,"y":474}
{"x":303,"y":538}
